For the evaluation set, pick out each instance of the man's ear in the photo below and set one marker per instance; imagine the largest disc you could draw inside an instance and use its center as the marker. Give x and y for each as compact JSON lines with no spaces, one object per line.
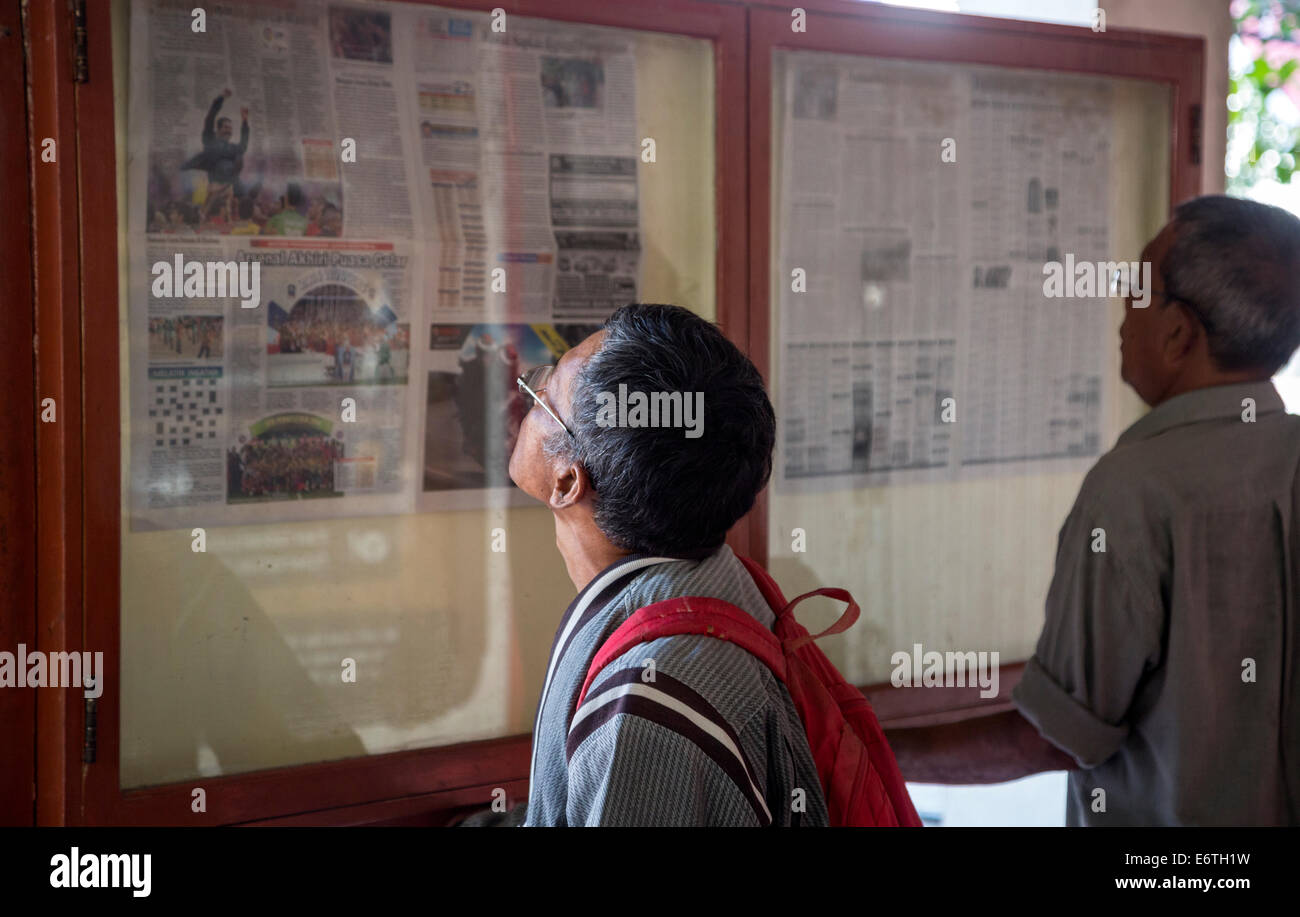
{"x":1183,"y":333}
{"x":570,"y":484}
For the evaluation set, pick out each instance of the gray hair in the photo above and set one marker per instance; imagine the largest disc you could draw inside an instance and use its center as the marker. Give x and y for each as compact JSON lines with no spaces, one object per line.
{"x":1236,"y":264}
{"x":658,"y":492}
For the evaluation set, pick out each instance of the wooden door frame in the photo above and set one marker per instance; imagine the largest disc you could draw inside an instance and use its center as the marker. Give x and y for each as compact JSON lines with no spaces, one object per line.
{"x":56,"y":288}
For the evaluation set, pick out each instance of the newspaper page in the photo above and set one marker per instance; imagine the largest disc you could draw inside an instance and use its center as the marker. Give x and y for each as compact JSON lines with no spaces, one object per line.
{"x":911,"y":289}
{"x":329,"y":206}
{"x":528,"y":150}
{"x":272,"y":278}
{"x":1033,"y":385}
{"x":528,"y":139}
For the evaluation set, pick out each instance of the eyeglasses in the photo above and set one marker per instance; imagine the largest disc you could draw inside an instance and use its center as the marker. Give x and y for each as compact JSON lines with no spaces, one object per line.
{"x":1119,"y":281}
{"x":533,"y":383}
{"x":1119,"y":284}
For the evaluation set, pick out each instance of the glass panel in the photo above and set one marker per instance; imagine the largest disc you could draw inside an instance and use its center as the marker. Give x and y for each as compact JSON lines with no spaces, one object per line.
{"x":324,"y":545}
{"x":937,"y":408}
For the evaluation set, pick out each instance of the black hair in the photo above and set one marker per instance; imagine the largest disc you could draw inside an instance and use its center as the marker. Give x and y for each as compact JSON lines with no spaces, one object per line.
{"x":1236,"y":264}
{"x":659,"y":491}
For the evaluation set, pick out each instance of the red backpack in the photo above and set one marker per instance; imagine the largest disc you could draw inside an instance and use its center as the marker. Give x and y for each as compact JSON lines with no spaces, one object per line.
{"x":858,"y":773}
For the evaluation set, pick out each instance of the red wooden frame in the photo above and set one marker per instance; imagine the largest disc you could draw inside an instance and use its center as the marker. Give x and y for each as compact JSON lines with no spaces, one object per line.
{"x":387,"y":787}
{"x":890,"y":32}
{"x":17,"y":427}
{"x":79,"y":568}
{"x":47,"y":31}
{"x":877,"y":30}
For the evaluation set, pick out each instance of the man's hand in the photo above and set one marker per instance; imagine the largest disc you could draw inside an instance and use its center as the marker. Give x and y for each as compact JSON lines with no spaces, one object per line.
{"x":226,"y":92}
{"x":984,"y":749}
{"x":243,"y":112}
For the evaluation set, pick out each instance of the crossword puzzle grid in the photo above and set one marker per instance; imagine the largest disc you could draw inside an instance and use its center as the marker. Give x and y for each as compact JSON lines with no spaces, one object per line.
{"x":184,"y":410}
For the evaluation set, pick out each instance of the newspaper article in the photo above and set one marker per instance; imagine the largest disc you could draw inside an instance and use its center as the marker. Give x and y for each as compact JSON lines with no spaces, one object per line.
{"x":338,"y":216}
{"x":911,"y":288}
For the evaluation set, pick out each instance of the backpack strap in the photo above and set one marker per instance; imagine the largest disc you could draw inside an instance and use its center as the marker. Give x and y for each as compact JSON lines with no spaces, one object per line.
{"x":689,"y":615}
{"x":766,"y":585}
{"x":776,"y":600}
{"x":844,"y":622}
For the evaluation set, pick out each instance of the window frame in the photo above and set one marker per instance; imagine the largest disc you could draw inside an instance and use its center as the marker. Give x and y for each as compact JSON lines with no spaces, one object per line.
{"x":881,"y":31}
{"x":77,"y":500}
{"x":434,"y":783}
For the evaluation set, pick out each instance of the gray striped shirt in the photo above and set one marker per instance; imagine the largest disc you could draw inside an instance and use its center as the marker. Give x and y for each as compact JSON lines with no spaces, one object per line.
{"x":712,"y":739}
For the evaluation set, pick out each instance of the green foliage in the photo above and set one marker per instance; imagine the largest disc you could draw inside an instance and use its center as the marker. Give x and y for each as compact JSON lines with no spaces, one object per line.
{"x":1260,"y":146}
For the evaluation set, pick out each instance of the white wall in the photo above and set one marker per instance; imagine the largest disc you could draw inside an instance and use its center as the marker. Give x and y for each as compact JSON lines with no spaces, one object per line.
{"x":1211,"y":20}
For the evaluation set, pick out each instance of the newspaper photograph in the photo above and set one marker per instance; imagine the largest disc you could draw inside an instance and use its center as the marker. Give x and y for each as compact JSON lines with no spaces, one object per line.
{"x":229,"y":151}
{"x":474,"y":406}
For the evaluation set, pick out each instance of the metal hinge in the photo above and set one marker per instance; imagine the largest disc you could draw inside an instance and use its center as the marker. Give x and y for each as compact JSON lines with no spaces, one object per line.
{"x":1197,"y":131}
{"x":89,"y":738}
{"x":80,"y":65}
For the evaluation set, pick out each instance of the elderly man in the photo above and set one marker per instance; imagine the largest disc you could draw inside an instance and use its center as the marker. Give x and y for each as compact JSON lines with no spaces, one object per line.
{"x":707,"y":736}
{"x":1165,"y":679}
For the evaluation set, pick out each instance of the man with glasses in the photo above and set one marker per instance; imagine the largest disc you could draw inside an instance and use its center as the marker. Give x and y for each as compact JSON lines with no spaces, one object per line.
{"x":684,"y":730}
{"x":1165,"y":678}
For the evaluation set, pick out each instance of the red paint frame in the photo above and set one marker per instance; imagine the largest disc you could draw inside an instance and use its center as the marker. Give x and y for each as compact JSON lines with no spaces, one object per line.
{"x":394,"y":787}
{"x":890,"y":32}
{"x":56,"y":241}
{"x":878,"y":30}
{"x":17,"y":427}
{"x":425,"y":786}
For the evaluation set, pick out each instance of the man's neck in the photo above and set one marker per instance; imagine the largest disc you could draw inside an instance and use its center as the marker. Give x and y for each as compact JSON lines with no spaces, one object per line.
{"x":585,"y":550}
{"x":1209,"y":378}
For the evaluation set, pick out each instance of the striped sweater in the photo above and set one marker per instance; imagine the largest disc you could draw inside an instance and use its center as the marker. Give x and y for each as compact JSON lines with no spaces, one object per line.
{"x":711,"y":738}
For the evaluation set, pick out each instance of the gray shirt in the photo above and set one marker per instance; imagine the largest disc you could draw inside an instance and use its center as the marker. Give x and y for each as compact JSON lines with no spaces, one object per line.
{"x":1167,"y":663}
{"x":705,"y":736}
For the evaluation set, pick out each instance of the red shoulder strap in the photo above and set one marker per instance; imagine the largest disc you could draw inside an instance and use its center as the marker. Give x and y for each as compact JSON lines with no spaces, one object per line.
{"x":772,"y":592}
{"x":689,"y":615}
{"x":843,"y":623}
{"x":766,"y":585}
